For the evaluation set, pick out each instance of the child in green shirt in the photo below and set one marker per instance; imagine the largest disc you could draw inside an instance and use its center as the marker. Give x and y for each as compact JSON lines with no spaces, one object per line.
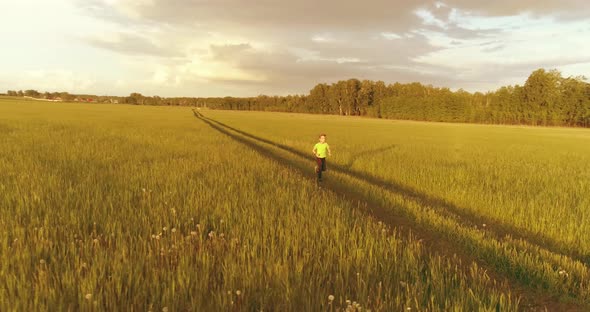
{"x":320,"y":151}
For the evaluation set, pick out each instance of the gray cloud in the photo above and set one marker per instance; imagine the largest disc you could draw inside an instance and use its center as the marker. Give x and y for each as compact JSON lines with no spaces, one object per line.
{"x":307,"y":14}
{"x":327,"y":14}
{"x":286,"y":72}
{"x":291,"y":61}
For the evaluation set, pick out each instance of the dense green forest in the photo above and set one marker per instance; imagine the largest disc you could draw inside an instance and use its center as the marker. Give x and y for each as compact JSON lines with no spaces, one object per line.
{"x":546,"y":99}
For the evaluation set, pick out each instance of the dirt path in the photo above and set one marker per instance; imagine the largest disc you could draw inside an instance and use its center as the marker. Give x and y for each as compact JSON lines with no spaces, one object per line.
{"x":435,"y":243}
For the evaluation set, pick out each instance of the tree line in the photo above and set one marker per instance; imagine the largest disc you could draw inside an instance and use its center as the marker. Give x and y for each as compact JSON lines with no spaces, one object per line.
{"x":546,"y":98}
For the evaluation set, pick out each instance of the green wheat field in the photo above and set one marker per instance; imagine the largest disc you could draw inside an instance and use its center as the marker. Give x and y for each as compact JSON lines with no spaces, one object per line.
{"x":139,"y":208}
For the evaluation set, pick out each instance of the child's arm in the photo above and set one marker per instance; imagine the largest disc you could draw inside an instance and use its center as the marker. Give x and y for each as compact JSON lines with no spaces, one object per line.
{"x":329,"y":151}
{"x":314,"y":152}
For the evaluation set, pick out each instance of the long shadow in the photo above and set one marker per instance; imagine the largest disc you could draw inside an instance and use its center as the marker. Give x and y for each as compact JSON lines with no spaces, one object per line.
{"x":445,"y":208}
{"x":434,"y":243}
{"x":371,"y":152}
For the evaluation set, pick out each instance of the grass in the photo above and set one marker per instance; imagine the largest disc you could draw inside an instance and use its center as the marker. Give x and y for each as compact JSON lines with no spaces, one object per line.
{"x":533,"y":179}
{"x":539,"y":260}
{"x":106,"y":207}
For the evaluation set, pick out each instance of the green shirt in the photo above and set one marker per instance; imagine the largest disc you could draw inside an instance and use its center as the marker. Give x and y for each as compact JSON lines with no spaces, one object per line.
{"x":321,"y":149}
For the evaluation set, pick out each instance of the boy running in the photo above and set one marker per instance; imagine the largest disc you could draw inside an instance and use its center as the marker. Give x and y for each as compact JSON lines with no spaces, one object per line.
{"x":320,"y":151}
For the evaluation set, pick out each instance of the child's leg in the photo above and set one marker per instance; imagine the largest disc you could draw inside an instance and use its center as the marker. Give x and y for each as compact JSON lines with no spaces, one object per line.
{"x":323,"y":164}
{"x":319,"y":163}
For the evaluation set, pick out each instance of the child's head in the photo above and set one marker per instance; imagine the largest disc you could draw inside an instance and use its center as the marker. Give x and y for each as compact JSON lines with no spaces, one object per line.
{"x":322,"y":138}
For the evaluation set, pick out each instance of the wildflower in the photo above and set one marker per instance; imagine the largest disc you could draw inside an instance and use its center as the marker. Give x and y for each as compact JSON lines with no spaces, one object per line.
{"x":408,"y":308}
{"x":95,"y":240}
{"x":211,"y":234}
{"x":173,"y":230}
{"x":143,"y":189}
{"x":238,"y":292}
{"x":193,"y":233}
{"x":153,"y":235}
{"x":165,"y":309}
{"x":42,"y":261}
{"x":484,"y":225}
{"x":331,"y":298}
{"x":88,"y":296}
{"x":348,"y":302}
{"x":165,"y":229}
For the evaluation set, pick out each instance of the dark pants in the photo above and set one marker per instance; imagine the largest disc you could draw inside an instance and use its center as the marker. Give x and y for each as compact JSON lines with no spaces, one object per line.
{"x":321,"y":166}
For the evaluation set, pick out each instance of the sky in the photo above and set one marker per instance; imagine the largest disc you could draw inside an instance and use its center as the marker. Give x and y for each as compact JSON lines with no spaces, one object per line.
{"x":245,"y":48}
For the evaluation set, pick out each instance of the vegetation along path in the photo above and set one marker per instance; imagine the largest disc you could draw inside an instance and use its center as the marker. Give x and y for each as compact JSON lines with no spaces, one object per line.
{"x":534,"y":266}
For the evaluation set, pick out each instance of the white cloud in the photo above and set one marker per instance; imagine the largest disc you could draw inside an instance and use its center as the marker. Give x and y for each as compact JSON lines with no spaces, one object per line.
{"x":327,"y":38}
{"x":390,"y":36}
{"x":52,"y":80}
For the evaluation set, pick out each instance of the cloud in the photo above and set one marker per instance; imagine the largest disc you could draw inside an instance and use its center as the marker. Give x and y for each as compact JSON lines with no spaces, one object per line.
{"x":129,"y":43}
{"x":51,"y":80}
{"x":304,"y":14}
{"x":282,"y":47}
{"x":284,"y":71}
{"x":571,"y":9}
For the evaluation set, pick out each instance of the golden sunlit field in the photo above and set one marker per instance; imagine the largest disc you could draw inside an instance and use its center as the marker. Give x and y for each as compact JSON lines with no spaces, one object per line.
{"x":121,"y":208}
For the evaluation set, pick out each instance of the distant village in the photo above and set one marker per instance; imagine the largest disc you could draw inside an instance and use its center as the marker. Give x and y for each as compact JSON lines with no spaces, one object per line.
{"x":133,"y":98}
{"x":61,"y":97}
